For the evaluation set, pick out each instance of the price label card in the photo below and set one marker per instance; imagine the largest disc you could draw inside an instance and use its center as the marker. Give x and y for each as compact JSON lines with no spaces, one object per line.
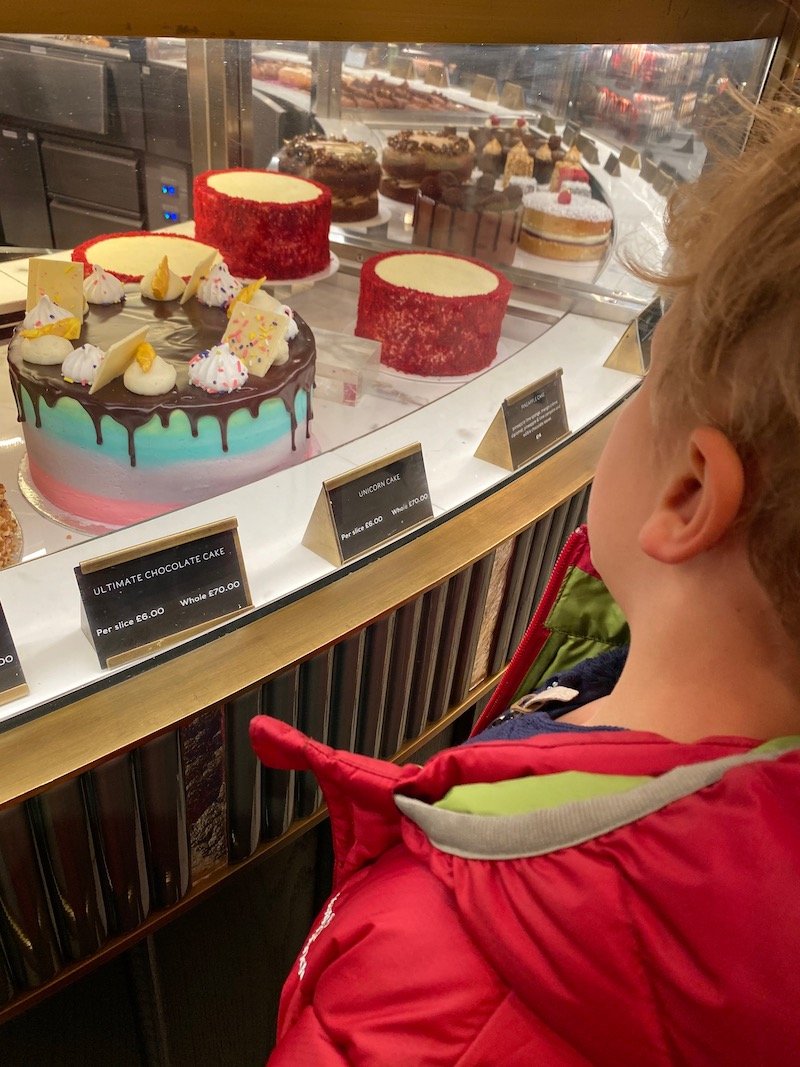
{"x":649,"y":169}
{"x":529,"y":422}
{"x":484,"y":88}
{"x":645,"y":327}
{"x":370,"y":505}
{"x":356,"y":57}
{"x":147,"y":597}
{"x":630,"y":157}
{"x":12,"y":679}
{"x":402,"y":68}
{"x":437,"y":74}
{"x":587,"y":148}
{"x":631,"y":353}
{"x":663,"y":183}
{"x":512,"y":97}
{"x":571,"y":134}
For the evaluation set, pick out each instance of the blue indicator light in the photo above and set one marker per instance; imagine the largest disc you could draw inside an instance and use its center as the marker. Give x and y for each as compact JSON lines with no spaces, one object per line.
{"x":168,"y":190}
{"x":171,"y":216}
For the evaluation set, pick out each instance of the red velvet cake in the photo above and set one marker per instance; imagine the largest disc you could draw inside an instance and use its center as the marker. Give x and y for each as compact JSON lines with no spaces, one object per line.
{"x":129,"y":256}
{"x":264,"y":224}
{"x":434,"y":313}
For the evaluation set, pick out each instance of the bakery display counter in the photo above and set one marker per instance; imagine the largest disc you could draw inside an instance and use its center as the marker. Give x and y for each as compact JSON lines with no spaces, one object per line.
{"x":131,"y":803}
{"x":447,"y":417}
{"x":152,"y":798}
{"x":363,"y":410}
{"x":370,"y":94}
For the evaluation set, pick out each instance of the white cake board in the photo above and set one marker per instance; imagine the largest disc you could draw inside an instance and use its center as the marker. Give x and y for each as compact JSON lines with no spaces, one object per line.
{"x":285,"y":287}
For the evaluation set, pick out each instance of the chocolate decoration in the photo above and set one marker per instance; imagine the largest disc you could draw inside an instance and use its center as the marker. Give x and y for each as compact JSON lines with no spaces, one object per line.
{"x":350,"y":169}
{"x":177,"y":334}
{"x":416,"y":141}
{"x":312,"y":149}
{"x":470,"y":222}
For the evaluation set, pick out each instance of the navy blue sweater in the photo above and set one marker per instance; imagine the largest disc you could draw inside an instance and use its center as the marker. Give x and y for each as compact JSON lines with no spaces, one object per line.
{"x":594,"y":678}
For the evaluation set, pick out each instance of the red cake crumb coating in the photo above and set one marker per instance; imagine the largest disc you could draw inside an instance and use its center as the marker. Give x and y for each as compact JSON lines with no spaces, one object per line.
{"x":422,"y":333}
{"x":264,"y":239}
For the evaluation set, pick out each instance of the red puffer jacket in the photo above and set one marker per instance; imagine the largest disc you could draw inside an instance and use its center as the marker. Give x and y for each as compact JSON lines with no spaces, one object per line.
{"x":667,"y":933}
{"x":655,"y":923}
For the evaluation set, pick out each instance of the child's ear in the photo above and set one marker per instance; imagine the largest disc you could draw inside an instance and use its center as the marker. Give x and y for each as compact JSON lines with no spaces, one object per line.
{"x":699,"y":503}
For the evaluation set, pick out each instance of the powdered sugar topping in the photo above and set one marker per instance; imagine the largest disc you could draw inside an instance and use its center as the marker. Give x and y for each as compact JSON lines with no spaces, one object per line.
{"x":582,"y":207}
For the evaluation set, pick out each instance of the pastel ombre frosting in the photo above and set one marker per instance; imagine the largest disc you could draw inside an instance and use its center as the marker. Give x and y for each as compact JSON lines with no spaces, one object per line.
{"x":115,"y":458}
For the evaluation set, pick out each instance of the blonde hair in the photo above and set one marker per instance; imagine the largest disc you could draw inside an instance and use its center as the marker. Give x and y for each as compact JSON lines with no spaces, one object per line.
{"x":734,"y":272}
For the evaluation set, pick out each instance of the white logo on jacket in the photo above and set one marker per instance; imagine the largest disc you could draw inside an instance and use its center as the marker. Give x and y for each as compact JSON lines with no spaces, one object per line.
{"x":327,"y":918}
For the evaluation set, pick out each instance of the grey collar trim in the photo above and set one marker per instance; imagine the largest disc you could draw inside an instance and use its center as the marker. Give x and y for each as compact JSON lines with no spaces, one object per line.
{"x":535,"y":833}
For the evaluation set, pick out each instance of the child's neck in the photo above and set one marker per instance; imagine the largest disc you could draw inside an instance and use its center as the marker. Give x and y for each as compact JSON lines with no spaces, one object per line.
{"x":717,"y":667}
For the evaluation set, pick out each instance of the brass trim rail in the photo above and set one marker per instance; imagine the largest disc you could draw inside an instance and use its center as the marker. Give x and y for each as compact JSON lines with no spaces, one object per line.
{"x":462,"y":21}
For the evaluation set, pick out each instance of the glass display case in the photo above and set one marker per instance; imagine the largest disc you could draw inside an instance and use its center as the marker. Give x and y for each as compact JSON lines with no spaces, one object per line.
{"x":473,"y":151}
{"x":515,"y":156}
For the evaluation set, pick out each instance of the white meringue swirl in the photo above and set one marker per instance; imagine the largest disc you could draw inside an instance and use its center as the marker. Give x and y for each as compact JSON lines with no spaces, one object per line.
{"x":44,"y":313}
{"x":82,"y":364}
{"x":219,"y":287}
{"x":103,"y":288}
{"x":217,"y":371}
{"x":157,"y":380}
{"x":292,"y":329}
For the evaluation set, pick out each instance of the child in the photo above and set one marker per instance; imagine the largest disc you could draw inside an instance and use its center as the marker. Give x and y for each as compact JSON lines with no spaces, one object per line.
{"x":626,"y":894}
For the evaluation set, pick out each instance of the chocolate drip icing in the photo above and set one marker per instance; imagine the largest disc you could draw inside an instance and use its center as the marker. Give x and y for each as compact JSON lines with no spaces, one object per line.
{"x":177,"y":333}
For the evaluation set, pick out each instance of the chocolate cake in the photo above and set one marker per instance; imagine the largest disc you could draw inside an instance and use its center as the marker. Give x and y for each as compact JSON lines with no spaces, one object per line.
{"x":350,"y":169}
{"x":411,"y":155}
{"x":470,"y":220}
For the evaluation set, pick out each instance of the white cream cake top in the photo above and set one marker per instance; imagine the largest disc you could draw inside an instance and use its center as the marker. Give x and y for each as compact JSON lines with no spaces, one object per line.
{"x":136,"y":254}
{"x":423,"y":137}
{"x":340,"y":148}
{"x":437,"y":275}
{"x":264,"y":187}
{"x":581,"y":207}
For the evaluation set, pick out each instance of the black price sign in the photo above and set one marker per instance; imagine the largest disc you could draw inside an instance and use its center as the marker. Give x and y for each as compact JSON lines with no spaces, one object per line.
{"x":529,"y":422}
{"x":12,"y":680}
{"x":535,"y":418}
{"x":152,"y":595}
{"x":370,"y":505}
